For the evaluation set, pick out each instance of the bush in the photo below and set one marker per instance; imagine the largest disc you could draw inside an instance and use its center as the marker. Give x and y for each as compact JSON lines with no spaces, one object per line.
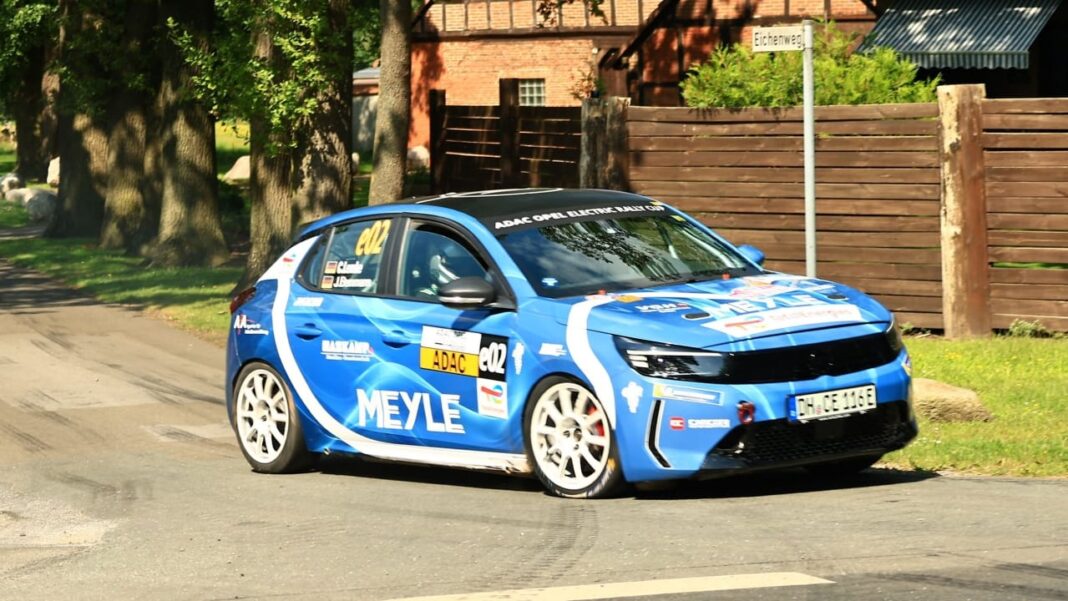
{"x":736,"y":77}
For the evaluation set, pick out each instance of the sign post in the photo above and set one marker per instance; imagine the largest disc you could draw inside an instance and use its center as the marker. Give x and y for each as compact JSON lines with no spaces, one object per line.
{"x":789,"y":39}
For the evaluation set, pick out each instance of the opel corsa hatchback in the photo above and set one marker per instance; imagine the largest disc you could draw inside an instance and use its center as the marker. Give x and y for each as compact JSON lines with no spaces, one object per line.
{"x":591,"y":338}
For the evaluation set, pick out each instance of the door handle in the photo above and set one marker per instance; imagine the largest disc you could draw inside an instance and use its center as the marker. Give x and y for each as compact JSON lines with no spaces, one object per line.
{"x":397,"y":338}
{"x":307,"y":331}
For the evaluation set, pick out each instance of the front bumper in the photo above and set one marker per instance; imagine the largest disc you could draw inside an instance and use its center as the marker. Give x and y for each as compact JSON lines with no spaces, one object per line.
{"x":779,"y":443}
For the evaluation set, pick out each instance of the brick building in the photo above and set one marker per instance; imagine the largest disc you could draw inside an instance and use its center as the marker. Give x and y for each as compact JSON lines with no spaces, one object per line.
{"x":638,"y":48}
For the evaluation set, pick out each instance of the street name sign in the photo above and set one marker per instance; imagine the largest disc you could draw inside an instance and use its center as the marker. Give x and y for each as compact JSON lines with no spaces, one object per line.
{"x":778,"y":39}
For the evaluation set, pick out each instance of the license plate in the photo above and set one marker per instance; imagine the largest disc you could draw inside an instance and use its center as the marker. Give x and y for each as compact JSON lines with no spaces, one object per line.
{"x":832,"y":403}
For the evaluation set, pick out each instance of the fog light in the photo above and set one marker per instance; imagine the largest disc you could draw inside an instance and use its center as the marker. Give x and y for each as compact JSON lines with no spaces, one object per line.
{"x":746,"y":412}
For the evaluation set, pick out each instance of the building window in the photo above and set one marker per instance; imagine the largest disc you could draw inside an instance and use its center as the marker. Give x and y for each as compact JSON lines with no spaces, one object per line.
{"x":531,"y":92}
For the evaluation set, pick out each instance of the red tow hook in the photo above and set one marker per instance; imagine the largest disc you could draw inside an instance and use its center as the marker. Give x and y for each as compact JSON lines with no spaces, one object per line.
{"x":746,"y":412}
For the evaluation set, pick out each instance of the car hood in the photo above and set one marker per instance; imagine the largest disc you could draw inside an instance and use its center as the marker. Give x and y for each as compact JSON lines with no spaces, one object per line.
{"x":729,"y":312}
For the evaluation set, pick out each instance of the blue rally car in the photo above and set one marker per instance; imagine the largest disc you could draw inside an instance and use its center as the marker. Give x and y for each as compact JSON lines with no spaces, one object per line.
{"x":591,"y":338}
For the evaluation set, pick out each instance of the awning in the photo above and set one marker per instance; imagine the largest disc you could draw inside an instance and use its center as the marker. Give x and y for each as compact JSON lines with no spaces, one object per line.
{"x":963,"y":34}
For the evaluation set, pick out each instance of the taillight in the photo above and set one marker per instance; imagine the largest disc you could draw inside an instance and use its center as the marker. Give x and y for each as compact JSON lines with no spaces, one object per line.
{"x":242,"y":297}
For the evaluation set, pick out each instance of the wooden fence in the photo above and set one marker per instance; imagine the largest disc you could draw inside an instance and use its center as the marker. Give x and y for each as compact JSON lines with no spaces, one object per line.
{"x":1025,"y":155}
{"x":505,"y":146}
{"x":877,"y":173}
{"x":954,"y":214}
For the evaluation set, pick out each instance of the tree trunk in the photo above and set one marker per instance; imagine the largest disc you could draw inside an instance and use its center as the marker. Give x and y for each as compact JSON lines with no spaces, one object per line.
{"x":128,"y":220}
{"x":34,"y":119}
{"x":394,"y":103}
{"x":324,"y":177}
{"x":270,"y":183}
{"x":83,"y":152}
{"x":190,"y":228}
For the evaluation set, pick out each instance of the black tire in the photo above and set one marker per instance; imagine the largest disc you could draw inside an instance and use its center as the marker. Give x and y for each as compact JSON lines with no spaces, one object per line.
{"x":605,"y":477}
{"x":844,"y":467}
{"x":253,"y":417}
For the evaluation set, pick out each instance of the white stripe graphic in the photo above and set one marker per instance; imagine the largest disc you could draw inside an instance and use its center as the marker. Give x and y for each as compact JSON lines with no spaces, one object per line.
{"x":578,"y":344}
{"x":385,"y":450}
{"x":620,"y":590}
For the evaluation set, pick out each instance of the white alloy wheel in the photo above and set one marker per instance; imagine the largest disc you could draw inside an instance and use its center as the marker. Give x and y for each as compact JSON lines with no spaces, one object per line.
{"x":264,"y":420}
{"x":570,"y":440}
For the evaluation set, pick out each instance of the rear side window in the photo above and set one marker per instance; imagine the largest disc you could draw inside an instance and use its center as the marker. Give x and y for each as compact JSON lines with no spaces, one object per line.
{"x":353,"y":258}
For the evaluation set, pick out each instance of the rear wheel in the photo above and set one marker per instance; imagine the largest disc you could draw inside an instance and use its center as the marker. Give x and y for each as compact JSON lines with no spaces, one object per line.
{"x":569,"y":441}
{"x":266,"y":422}
{"x":845,"y":467}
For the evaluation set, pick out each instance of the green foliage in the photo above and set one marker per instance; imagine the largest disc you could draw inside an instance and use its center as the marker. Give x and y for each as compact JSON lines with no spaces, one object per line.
{"x":23,"y":25}
{"x":12,"y":215}
{"x":306,"y":52}
{"x":1021,"y":328}
{"x":367,"y":33}
{"x":736,"y":77}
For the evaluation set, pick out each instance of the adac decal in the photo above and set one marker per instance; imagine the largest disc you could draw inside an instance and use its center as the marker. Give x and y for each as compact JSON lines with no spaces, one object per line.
{"x":347,"y":350}
{"x":464,"y":353}
{"x":244,"y":325}
{"x":401,"y":410}
{"x":558,"y":217}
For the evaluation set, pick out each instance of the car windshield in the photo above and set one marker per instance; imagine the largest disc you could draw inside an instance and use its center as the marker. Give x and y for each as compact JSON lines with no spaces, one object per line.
{"x":608,"y":255}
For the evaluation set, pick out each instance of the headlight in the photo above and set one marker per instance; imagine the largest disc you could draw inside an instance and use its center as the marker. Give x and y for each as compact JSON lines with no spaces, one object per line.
{"x":893,"y":337}
{"x":669,"y":361}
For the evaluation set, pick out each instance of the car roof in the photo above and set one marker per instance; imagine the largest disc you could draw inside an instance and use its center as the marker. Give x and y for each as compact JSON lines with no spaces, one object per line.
{"x":490,"y":205}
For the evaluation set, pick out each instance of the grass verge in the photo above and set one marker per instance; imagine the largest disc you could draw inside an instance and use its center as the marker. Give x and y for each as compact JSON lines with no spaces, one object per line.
{"x":195,"y":299}
{"x":1022,"y":381}
{"x":12,"y":215}
{"x":7,"y":158}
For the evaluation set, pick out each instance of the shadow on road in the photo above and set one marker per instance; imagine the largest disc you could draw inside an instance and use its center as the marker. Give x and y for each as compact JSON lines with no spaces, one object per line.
{"x":28,"y":292}
{"x":770,"y":483}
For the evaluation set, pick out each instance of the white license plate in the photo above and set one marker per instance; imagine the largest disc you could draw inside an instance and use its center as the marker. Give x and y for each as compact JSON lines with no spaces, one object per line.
{"x":832,"y":403}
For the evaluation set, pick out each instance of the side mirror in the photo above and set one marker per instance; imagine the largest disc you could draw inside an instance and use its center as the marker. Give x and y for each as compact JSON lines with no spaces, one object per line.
{"x":752,"y":253}
{"x":469,"y":292}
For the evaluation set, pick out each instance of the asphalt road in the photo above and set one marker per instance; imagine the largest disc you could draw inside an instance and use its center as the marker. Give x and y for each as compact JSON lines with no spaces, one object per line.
{"x":119,"y":479}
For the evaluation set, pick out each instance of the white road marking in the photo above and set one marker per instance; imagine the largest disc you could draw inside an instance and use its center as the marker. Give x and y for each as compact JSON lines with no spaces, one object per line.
{"x":619,"y":590}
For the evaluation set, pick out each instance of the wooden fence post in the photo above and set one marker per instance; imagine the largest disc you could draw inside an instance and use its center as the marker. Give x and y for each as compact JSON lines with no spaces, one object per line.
{"x":604,"y":161}
{"x":437,"y":141}
{"x":509,"y":102}
{"x":965,"y":272}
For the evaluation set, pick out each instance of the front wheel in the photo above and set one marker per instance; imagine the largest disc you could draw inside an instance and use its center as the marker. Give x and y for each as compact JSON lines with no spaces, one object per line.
{"x":569,"y":441}
{"x":266,"y":422}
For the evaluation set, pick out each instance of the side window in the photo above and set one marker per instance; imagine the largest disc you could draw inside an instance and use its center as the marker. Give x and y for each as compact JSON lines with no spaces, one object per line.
{"x":433,"y":257}
{"x":353,"y":261}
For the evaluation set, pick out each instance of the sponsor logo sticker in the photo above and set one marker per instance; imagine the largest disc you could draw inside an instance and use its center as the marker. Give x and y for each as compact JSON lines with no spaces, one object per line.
{"x":708,"y":424}
{"x":244,"y":325}
{"x":452,"y":362}
{"x":451,"y":340}
{"x":678,"y":393}
{"x":517,"y":357}
{"x":677,"y":423}
{"x":662,"y":307}
{"x":308,"y":301}
{"x":346,"y":350}
{"x":492,"y":398}
{"x":552,"y":350}
{"x":781,"y":319}
{"x":402,"y":410}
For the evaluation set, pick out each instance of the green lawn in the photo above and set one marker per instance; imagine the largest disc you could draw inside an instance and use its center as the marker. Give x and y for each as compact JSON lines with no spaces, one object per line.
{"x":12,"y":215}
{"x":1023,"y":381}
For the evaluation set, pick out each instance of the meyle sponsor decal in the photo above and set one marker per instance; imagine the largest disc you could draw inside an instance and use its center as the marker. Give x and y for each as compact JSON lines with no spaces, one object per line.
{"x":633,"y":394}
{"x":677,"y":393}
{"x":384,"y":408}
{"x":707,"y":424}
{"x":308,"y":301}
{"x":244,"y":325}
{"x":780,"y":319}
{"x":552,"y":350}
{"x":677,"y":423}
{"x":347,"y":350}
{"x":563,"y":216}
{"x":492,"y":398}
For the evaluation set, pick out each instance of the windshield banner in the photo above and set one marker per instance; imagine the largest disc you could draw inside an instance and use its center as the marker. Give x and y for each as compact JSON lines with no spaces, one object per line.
{"x":517,"y":222}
